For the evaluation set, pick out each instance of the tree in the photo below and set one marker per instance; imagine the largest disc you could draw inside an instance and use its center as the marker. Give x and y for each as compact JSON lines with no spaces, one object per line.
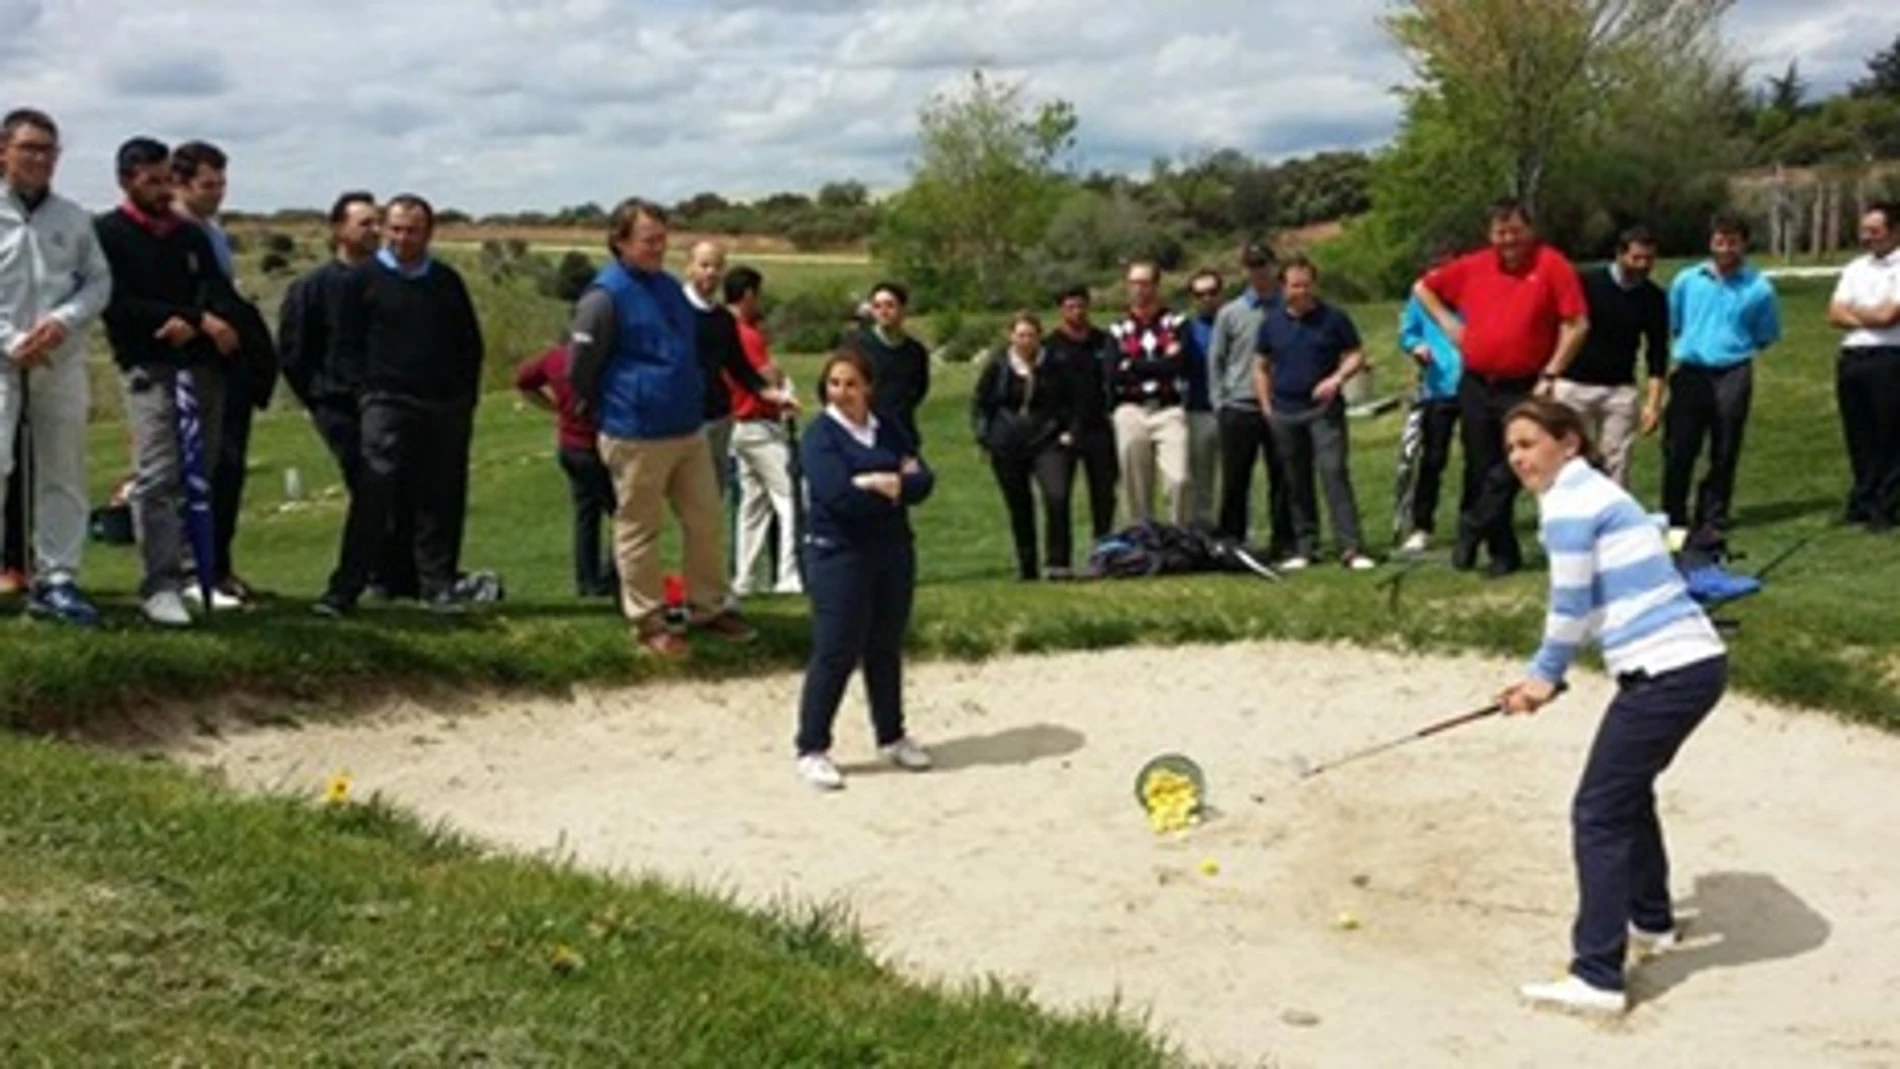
{"x":1528,"y":76}
{"x":1883,"y":74}
{"x":851,"y":194}
{"x":1787,"y":93}
{"x":984,"y":182}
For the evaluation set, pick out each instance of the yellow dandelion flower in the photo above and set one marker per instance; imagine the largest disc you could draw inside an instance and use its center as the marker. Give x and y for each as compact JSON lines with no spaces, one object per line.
{"x":336,"y":789}
{"x":565,"y":959}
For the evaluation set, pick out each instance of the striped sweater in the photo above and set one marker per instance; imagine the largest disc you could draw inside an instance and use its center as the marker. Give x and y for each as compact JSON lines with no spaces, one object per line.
{"x":1611,"y":577}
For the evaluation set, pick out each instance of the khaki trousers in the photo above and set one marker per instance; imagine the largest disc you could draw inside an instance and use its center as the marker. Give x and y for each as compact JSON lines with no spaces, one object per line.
{"x":1147,"y":440}
{"x":649,"y":475}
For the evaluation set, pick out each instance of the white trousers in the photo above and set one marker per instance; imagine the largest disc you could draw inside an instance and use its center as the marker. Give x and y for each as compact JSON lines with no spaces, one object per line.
{"x":763,"y":455}
{"x":58,"y":398}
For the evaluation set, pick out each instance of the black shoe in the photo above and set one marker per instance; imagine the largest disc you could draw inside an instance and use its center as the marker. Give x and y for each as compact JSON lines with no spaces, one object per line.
{"x":333,"y":606}
{"x":1503,"y":566}
{"x":1464,"y":554}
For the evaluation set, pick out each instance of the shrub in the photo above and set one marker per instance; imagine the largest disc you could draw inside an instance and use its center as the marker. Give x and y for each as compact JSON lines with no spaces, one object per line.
{"x":811,"y":319}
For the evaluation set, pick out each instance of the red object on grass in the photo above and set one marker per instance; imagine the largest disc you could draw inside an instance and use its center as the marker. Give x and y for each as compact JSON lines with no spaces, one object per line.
{"x":673,"y":591}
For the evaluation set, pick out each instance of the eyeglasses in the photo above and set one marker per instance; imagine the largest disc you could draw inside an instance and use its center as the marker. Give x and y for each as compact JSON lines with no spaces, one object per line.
{"x":1206,"y":293}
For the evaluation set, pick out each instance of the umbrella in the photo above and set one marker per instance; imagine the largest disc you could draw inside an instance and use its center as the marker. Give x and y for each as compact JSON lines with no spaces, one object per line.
{"x":1405,"y":487}
{"x":197,"y":480}
{"x":795,"y":471}
{"x":29,"y":480}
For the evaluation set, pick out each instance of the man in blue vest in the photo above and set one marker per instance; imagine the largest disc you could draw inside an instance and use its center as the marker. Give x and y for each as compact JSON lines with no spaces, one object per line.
{"x":634,"y":364}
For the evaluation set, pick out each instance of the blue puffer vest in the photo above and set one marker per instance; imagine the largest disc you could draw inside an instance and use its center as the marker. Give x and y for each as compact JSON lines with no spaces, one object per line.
{"x":651,"y":386}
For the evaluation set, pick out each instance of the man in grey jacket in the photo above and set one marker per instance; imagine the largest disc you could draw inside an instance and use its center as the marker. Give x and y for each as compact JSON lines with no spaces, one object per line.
{"x":1243,"y":430}
{"x":54,"y":282}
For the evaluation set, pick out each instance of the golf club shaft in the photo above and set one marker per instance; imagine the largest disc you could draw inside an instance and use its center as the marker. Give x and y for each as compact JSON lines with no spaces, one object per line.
{"x":1425,"y":732}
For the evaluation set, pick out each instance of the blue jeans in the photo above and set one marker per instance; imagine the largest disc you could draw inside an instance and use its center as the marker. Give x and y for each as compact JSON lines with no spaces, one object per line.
{"x":1622,"y":866}
{"x":860,"y":609}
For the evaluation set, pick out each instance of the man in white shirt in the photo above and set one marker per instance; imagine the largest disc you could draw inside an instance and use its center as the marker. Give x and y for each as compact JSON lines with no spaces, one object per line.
{"x":54,"y":282}
{"x":1866,"y":305}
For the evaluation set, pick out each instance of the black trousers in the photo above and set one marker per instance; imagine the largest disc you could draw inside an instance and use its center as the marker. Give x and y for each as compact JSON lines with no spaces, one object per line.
{"x":1244,"y":438}
{"x":1094,"y":450}
{"x":1490,"y":490}
{"x":860,"y":609}
{"x":420,"y":450}
{"x":227,"y":469}
{"x":1867,"y":387}
{"x":1050,"y":470}
{"x":592,"y":489}
{"x":1705,"y":405}
{"x":1441,"y":425}
{"x":1622,"y":864}
{"x":340,"y":426}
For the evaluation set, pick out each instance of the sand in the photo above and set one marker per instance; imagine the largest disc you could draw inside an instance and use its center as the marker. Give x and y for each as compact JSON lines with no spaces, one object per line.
{"x":1025,"y":856}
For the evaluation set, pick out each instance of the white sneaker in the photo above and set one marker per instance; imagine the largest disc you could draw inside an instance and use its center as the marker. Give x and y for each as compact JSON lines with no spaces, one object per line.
{"x":905,"y":753}
{"x":817,"y":770}
{"x":1649,"y":944}
{"x":1573,"y":995}
{"x":1417,"y":542}
{"x":1359,"y":562}
{"x":1294,"y":564}
{"x":166,"y":609}
{"x":220,"y":600}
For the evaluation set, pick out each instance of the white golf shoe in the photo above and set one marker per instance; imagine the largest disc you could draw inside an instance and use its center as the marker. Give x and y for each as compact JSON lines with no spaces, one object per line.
{"x":166,"y":609}
{"x":817,"y":770}
{"x":905,"y":753}
{"x":1650,"y":944}
{"x":1573,"y":995}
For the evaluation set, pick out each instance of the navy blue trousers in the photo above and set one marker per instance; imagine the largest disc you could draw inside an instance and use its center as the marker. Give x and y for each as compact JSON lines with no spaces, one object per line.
{"x":1622,"y":865}
{"x":860,"y":609}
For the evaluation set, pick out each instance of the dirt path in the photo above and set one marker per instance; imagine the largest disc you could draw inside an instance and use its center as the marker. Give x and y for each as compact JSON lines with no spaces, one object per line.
{"x":1024,"y":855}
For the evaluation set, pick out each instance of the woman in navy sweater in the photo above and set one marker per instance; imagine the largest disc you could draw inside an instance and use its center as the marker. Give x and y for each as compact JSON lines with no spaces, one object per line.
{"x":862,"y":475}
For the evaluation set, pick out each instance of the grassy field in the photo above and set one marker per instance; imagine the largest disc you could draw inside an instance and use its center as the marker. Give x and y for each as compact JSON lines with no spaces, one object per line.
{"x":140,"y":905}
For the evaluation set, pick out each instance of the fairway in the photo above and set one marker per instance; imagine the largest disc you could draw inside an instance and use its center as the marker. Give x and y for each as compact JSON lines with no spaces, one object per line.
{"x":1025,"y":856}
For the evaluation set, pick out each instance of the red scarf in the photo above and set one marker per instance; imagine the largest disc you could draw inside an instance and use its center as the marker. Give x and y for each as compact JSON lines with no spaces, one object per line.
{"x":158,"y":226}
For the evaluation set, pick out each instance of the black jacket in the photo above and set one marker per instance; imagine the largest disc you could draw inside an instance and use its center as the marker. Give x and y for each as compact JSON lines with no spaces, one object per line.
{"x":1019,"y":416}
{"x":156,"y":277}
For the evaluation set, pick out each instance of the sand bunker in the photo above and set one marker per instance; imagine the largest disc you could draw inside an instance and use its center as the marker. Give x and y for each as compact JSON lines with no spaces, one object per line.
{"x":1025,"y":856}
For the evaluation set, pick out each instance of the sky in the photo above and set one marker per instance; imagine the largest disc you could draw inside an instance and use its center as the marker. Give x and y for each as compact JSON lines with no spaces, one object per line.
{"x":510,"y":105}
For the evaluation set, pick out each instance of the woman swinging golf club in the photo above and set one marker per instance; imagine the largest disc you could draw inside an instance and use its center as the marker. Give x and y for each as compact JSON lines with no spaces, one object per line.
{"x":1611,"y":575}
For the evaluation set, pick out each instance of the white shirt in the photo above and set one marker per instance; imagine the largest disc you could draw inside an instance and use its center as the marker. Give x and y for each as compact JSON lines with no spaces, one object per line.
{"x":1865,"y":284}
{"x":864,"y":433}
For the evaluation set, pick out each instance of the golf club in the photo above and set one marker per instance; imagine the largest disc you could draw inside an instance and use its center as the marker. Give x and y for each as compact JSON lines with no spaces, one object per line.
{"x":29,"y":560}
{"x":1308,"y":770}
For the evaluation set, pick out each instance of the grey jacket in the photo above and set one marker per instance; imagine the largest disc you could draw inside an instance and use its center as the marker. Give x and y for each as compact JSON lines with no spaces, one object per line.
{"x":1230,"y":358}
{"x":50,"y":265}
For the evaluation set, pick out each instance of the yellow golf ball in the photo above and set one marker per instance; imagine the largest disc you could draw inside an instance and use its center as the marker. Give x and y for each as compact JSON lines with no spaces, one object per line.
{"x":1210,"y":867}
{"x":1346,"y":921}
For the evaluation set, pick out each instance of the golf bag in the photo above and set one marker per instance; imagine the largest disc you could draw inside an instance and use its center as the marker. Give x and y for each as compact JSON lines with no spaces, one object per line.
{"x":1164,"y":549}
{"x":1405,"y":486}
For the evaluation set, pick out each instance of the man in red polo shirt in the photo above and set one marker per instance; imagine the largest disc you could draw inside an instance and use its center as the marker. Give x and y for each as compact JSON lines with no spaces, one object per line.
{"x":1520,"y":319}
{"x":544,"y":382}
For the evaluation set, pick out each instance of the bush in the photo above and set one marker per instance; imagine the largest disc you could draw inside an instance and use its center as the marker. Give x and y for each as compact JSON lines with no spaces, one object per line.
{"x":275,"y":264}
{"x":966,"y":336}
{"x":282,"y":244}
{"x":570,"y":277}
{"x":812,"y":319}
{"x":1368,"y":262}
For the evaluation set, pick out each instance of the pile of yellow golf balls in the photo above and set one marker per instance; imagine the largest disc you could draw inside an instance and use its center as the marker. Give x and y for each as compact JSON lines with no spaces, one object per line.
{"x":1173,"y":801}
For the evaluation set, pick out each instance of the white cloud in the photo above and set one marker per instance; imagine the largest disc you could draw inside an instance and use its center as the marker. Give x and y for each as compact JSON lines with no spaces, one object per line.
{"x":496,"y":105}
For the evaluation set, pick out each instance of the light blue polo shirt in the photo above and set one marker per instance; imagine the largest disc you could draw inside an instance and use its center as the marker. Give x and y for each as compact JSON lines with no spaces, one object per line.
{"x":1717,"y":322}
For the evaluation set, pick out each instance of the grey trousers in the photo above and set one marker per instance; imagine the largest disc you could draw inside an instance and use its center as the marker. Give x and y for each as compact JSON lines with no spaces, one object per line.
{"x":1309,"y":440}
{"x":158,"y":488}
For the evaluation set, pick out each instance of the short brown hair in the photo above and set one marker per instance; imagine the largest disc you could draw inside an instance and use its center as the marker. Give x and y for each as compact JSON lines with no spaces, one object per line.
{"x":1558,"y":420}
{"x":1299,"y":261}
{"x":625,"y":214}
{"x":846,"y":355}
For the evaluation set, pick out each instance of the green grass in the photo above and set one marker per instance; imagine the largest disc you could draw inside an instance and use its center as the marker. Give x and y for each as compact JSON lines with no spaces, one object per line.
{"x":147,"y":918}
{"x":145,"y":910}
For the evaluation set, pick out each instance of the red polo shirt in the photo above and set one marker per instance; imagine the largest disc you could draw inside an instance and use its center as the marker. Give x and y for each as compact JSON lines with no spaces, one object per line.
{"x":1511,"y":317}
{"x":549,"y":371}
{"x":745,"y":404}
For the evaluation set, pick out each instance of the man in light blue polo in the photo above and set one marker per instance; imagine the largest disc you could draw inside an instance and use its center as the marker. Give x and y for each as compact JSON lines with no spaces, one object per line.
{"x":1722,"y":314}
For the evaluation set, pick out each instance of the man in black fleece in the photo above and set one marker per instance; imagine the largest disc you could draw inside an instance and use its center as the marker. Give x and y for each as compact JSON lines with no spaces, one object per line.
{"x":1628,"y":312}
{"x":720,"y":351}
{"x":407,"y":331}
{"x":170,"y":312}
{"x":306,"y":353}
{"x":901,"y":363}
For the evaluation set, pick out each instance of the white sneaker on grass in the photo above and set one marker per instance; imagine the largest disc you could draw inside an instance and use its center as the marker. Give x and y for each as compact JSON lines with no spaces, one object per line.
{"x":905,"y":753}
{"x":817,"y":770}
{"x":1294,"y":564}
{"x":166,"y":609}
{"x":220,"y":600}
{"x":1359,"y":562}
{"x":1575,"y":995}
{"x":1417,"y":542}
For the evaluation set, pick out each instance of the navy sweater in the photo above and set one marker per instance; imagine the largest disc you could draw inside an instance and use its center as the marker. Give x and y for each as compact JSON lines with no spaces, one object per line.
{"x":840,"y":514}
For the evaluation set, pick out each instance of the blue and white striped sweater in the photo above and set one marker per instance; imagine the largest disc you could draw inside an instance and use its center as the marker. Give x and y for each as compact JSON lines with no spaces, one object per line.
{"x":1611,"y":577}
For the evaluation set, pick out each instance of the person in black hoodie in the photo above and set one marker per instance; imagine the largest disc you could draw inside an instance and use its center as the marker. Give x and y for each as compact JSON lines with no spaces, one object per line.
{"x":1081,"y":351}
{"x":407,"y":331}
{"x":168,"y":314}
{"x":900,"y":361}
{"x":306,"y":354}
{"x":1020,"y":411}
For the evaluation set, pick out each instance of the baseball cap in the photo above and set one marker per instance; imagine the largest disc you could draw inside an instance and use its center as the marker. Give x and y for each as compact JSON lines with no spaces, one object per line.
{"x":1257,"y":254}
